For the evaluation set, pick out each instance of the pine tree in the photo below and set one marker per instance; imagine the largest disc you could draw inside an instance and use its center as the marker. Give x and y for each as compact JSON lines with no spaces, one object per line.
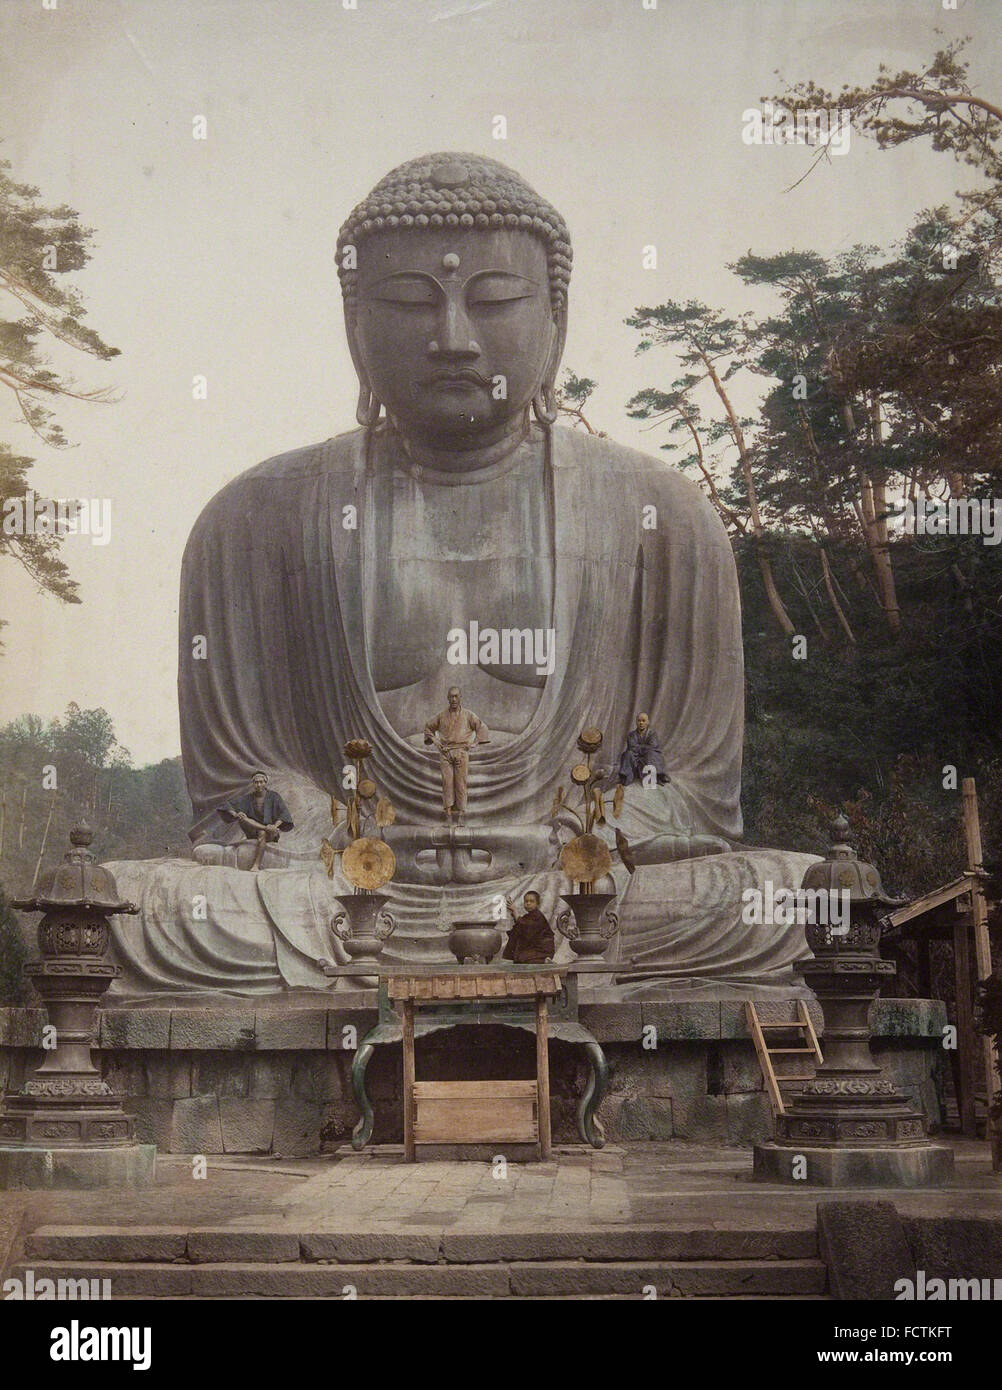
{"x":39,"y":246}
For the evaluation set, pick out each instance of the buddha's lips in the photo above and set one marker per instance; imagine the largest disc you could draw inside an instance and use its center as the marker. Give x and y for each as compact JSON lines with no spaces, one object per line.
{"x":462,"y":376}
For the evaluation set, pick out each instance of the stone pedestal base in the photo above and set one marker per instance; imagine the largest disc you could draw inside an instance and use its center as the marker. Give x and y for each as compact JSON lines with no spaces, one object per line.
{"x":915,"y":1165}
{"x":130,"y":1165}
{"x":273,"y":1077}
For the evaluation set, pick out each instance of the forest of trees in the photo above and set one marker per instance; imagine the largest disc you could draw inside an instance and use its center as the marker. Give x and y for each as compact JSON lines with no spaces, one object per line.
{"x":873,"y":655}
{"x":52,"y":776}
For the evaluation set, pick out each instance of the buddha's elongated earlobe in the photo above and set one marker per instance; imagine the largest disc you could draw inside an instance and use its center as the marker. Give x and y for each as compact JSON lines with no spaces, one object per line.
{"x":368,"y":408}
{"x":544,"y":402}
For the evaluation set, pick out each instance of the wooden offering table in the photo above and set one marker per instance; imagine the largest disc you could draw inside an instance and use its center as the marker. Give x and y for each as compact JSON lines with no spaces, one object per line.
{"x":539,"y":999}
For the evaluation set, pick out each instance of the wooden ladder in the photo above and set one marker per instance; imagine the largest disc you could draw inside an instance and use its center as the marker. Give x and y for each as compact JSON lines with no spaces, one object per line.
{"x":802,"y":1026}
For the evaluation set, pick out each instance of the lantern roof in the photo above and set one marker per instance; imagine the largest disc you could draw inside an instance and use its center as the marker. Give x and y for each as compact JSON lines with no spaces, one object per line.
{"x":842,"y":869}
{"x":77,"y":882}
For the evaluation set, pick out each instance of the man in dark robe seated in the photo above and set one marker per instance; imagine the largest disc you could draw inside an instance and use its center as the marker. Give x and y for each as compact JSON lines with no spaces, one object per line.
{"x":530,"y":941}
{"x":642,"y":751}
{"x":261,"y":812}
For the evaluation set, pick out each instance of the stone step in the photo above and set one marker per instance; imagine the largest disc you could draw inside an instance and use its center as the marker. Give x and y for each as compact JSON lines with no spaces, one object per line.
{"x":530,"y":1279}
{"x":162,"y":1245}
{"x":548,"y":1298}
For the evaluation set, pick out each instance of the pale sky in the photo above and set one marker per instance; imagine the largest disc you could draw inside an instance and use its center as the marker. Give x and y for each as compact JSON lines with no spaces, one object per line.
{"x":216,"y":256}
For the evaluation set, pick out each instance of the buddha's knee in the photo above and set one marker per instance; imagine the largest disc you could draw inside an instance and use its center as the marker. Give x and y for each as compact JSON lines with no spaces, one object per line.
{"x":668,"y":849}
{"x":210,"y":854}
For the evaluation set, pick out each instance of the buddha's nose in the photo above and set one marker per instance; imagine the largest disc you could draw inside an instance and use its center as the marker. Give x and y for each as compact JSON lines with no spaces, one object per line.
{"x":455,"y":334}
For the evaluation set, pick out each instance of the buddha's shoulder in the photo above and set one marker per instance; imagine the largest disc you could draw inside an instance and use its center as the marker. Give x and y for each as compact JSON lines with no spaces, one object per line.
{"x":621,"y":467}
{"x":281,"y":474}
{"x":303,"y":464}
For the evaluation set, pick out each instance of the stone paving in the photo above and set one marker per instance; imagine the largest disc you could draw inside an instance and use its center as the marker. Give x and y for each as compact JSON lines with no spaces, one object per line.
{"x":631,"y":1186}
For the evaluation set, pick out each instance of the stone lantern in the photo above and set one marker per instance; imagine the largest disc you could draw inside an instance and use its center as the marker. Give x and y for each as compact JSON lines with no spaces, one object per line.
{"x":850,"y":1126}
{"x":66,"y":1127}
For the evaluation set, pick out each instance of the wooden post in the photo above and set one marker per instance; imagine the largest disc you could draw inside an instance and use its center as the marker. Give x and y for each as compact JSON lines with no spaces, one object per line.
{"x":966,"y":1036}
{"x":982,"y":944}
{"x":20,"y":829}
{"x":408,"y":1041}
{"x":543,"y":1077}
{"x":923,"y":964}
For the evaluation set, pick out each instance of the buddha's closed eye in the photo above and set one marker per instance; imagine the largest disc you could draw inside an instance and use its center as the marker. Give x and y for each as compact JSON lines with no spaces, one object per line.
{"x":498,"y":287}
{"x":410,"y":291}
{"x":485,"y":289}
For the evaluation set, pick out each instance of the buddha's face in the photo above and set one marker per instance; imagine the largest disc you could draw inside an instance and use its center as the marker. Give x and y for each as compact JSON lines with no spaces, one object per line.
{"x":453,"y":328}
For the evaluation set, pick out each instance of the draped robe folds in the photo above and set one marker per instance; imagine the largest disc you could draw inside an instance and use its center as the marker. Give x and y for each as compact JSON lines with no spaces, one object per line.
{"x":646,"y":616}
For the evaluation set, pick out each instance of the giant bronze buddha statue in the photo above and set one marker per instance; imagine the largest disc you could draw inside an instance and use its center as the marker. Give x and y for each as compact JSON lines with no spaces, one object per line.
{"x":321,"y":592}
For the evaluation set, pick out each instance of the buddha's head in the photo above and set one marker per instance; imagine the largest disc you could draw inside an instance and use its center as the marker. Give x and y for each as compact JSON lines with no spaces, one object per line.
{"x":454,"y":274}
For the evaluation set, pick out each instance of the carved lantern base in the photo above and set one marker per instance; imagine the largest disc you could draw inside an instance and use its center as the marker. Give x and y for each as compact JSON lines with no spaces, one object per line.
{"x":66,"y":1127}
{"x":850,"y":1126}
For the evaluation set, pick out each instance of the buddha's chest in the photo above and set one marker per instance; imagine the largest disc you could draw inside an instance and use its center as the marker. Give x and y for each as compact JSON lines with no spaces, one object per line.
{"x":445,"y":559}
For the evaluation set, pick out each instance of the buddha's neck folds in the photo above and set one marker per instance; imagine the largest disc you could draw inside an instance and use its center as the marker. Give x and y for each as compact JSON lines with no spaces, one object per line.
{"x":452,"y":466}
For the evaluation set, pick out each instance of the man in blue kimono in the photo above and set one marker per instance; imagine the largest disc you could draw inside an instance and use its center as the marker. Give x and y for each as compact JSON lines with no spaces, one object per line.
{"x":261,"y":812}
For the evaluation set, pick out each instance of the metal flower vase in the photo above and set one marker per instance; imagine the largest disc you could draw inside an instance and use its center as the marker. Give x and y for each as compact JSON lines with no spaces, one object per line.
{"x":363,"y":926}
{"x":587,"y":923}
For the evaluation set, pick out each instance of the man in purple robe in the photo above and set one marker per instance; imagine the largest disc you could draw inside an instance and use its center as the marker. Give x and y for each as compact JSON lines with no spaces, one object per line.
{"x":642,"y":759}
